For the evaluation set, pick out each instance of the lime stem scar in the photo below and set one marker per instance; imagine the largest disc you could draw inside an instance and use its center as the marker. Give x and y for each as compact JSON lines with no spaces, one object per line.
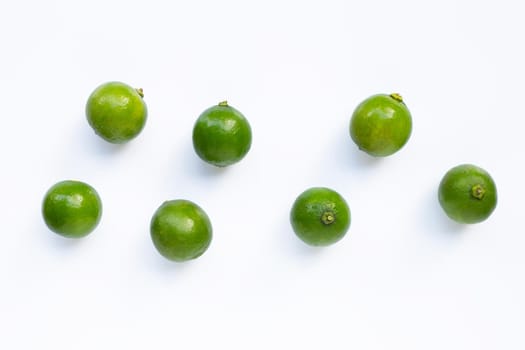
{"x":478,"y":191}
{"x":223,"y":103}
{"x":396,"y":97}
{"x":140,"y":92}
{"x":327,"y":218}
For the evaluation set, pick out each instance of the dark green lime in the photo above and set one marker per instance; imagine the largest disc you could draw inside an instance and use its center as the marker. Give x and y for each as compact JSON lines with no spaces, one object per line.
{"x":180,"y":230}
{"x":320,"y":216}
{"x":72,"y":209}
{"x":381,"y":125}
{"x":222,"y":135}
{"x":467,"y":194}
{"x":116,"y":111}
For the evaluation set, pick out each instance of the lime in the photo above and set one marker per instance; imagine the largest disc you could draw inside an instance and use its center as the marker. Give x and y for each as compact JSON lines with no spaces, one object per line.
{"x":72,"y":208}
{"x":320,"y":216}
{"x":116,"y":111}
{"x":180,"y":230}
{"x":467,"y":194}
{"x":381,"y":125}
{"x":221,"y":135}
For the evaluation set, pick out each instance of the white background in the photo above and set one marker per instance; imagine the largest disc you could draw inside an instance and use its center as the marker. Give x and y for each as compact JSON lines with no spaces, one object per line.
{"x":405,"y":276}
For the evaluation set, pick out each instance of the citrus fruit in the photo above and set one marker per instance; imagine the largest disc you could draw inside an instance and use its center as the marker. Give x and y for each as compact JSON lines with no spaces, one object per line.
{"x":381,"y":125}
{"x":72,"y":208}
{"x":180,"y":230}
{"x":467,"y":194}
{"x":222,"y":135}
{"x":116,"y":112}
{"x":320,"y":216}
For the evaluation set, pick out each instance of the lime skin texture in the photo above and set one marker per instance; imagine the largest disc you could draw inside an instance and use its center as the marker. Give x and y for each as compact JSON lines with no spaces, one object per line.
{"x":320,"y":216}
{"x":180,"y":230}
{"x":222,"y":136}
{"x":72,"y":208}
{"x":381,"y":125}
{"x":116,"y":112}
{"x":467,"y":194}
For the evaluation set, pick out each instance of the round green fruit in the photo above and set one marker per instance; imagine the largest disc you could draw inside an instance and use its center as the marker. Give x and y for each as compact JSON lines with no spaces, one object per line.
{"x":222,"y":135}
{"x":72,"y":208}
{"x":180,"y":230}
{"x":116,"y":112}
{"x":381,"y":125}
{"x":320,"y":216}
{"x":467,"y":194}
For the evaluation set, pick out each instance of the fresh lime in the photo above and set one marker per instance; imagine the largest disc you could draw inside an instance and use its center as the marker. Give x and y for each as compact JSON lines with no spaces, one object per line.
{"x":381,"y":125}
{"x":116,"y":111}
{"x":180,"y":230}
{"x":222,"y":135}
{"x":467,"y":194}
{"x":320,"y":216}
{"x":72,"y":209}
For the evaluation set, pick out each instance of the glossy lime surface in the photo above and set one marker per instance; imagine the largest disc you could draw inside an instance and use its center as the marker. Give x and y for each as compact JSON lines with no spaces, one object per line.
{"x":381,"y":125}
{"x":222,"y":135}
{"x":116,"y":112}
{"x":180,"y":230}
{"x":467,"y":194}
{"x":72,"y":208}
{"x":320,"y":216}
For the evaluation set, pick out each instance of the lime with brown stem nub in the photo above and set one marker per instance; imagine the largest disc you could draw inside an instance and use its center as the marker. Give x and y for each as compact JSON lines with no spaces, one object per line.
{"x":381,"y":125}
{"x":116,"y":112}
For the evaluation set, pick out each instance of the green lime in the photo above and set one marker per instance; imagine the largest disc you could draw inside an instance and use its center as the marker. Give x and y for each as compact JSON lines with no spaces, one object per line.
{"x":381,"y":125}
{"x":116,"y":111}
{"x":467,"y":194}
{"x":222,"y":135}
{"x":180,"y":230}
{"x":72,"y":208}
{"x":320,"y":216}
